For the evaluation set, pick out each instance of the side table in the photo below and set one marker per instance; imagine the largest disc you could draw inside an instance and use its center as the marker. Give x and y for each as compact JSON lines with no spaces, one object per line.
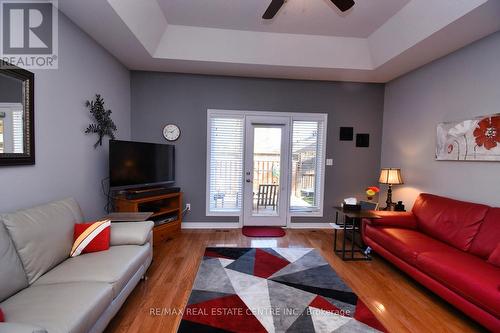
{"x":348,"y":254}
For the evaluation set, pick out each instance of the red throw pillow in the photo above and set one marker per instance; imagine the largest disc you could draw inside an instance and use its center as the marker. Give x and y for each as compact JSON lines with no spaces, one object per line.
{"x":91,"y":237}
{"x":2,"y":318}
{"x":494,"y":257}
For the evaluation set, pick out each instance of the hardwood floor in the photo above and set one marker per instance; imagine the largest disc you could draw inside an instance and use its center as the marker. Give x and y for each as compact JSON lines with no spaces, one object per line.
{"x":399,"y":303}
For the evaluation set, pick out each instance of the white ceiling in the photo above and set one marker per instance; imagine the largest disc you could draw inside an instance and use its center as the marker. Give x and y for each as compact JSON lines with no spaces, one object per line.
{"x":196,"y":36}
{"x":313,"y":17}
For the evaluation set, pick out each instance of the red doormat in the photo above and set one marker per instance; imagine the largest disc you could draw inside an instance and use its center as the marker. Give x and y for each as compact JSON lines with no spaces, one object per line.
{"x":263,"y":231}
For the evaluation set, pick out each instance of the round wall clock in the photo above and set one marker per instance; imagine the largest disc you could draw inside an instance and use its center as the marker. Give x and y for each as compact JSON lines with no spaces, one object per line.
{"x":171,"y":132}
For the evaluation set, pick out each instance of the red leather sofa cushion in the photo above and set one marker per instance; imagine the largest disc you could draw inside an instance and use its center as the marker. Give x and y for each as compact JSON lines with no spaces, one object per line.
{"x":494,"y":257}
{"x":467,"y":275}
{"x":406,"y":244}
{"x":394,"y":219}
{"x":488,"y":236}
{"x":451,"y":221}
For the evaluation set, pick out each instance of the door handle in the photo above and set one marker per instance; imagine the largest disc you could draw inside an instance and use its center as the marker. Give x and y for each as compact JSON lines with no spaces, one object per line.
{"x":248,"y":181}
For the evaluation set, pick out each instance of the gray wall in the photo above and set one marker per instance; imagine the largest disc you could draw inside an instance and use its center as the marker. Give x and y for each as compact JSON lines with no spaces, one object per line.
{"x":160,"y":98}
{"x":66,"y":162}
{"x":461,"y":85}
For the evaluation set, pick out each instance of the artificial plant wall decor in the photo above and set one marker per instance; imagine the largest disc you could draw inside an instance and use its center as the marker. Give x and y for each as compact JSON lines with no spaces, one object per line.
{"x":103,"y":125}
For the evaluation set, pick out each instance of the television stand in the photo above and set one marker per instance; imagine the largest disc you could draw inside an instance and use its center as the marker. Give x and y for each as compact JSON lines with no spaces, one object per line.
{"x":146,"y":192}
{"x":166,"y":208}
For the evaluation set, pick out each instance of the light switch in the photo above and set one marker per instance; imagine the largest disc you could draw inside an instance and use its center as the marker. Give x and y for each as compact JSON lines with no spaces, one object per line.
{"x":329,"y":161}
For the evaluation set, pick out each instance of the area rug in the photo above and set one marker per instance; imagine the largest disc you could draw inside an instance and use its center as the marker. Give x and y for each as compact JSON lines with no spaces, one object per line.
{"x":263,"y":231}
{"x":272,"y":290}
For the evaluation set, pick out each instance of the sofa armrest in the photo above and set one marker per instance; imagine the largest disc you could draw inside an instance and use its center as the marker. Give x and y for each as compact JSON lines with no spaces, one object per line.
{"x":20,"y":328}
{"x":393,"y":219}
{"x":131,"y":233}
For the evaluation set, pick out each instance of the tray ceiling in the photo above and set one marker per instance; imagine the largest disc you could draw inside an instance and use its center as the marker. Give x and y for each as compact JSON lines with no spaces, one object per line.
{"x":376,"y":41}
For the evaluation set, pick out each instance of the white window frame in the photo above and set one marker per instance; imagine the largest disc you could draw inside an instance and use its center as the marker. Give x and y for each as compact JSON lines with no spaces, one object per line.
{"x":294,"y":116}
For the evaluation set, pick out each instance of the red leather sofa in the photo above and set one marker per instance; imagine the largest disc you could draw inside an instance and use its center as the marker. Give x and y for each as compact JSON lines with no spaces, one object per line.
{"x":451,"y":247}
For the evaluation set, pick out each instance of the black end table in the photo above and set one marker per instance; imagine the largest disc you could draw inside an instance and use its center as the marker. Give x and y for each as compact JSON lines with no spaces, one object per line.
{"x":355,"y":227}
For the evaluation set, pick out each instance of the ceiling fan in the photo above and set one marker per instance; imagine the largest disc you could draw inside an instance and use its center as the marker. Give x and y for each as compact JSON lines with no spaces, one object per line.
{"x":275,"y":6}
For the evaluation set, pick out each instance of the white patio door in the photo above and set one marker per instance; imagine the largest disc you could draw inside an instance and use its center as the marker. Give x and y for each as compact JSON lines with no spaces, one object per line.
{"x":266,"y":170}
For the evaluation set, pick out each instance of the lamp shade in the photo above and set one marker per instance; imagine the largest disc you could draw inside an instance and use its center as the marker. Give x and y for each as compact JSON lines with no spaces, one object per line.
{"x":390,"y":176}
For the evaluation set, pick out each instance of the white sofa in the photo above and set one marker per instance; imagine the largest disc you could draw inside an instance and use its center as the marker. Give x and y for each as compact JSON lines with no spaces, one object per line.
{"x":43,"y":290}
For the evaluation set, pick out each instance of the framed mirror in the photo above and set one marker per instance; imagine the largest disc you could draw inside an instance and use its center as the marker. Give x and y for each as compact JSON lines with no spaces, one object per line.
{"x":17,"y":126}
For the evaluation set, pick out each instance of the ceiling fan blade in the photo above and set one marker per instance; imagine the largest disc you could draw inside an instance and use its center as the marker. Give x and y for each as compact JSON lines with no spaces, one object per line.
{"x":273,"y":8}
{"x":343,"y":5}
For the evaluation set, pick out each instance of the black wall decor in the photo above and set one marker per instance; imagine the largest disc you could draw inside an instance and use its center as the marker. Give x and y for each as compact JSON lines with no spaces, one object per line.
{"x":346,"y":133}
{"x":103,"y":125}
{"x":362,"y":140}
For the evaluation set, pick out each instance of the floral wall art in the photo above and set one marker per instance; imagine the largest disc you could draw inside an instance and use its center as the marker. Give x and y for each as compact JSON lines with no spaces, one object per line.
{"x":477,"y":139}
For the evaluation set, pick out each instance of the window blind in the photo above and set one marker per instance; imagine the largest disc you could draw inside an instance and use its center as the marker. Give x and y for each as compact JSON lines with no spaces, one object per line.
{"x":307,"y":165}
{"x":1,"y":136}
{"x":225,"y":164}
{"x":17,"y":129}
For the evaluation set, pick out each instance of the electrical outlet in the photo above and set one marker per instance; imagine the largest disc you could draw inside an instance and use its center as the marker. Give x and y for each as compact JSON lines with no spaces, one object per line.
{"x":188,"y":207}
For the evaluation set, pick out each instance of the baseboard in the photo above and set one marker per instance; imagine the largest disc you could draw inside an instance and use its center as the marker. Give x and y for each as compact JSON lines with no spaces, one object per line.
{"x":236,"y":225}
{"x":210,"y":225}
{"x":310,"y":226}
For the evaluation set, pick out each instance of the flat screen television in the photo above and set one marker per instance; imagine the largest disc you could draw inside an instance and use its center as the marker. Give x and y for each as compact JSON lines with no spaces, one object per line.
{"x":139,"y":164}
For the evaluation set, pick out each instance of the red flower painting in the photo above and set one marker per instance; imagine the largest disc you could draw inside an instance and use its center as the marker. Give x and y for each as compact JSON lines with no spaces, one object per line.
{"x":487,"y":132}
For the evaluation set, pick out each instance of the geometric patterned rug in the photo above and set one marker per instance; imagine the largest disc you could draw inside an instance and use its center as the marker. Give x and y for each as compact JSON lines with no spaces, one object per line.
{"x":272,"y":290}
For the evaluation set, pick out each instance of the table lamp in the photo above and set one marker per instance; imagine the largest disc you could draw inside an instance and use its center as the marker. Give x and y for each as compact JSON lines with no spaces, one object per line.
{"x":390,"y":176}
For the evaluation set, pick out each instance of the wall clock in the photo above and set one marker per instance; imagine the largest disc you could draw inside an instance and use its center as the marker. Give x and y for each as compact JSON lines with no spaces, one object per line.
{"x":171,"y":132}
